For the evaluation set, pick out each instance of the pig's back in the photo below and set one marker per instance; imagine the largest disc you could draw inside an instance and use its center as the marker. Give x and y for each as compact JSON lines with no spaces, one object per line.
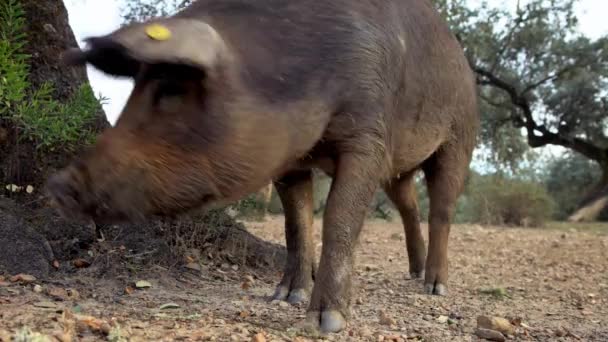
{"x":350,"y":53}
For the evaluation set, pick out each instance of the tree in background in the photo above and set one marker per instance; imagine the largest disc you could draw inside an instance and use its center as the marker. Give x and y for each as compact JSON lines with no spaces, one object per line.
{"x":538,"y":73}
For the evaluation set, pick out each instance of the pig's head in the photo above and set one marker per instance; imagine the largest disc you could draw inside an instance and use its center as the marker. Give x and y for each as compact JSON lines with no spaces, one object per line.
{"x":189,"y":135}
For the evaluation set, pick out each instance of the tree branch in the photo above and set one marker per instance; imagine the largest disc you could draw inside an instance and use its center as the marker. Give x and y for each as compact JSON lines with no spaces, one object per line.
{"x":546,"y":137}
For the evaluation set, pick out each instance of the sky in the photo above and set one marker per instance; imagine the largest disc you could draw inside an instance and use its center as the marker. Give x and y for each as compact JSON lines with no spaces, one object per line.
{"x":98,"y":17}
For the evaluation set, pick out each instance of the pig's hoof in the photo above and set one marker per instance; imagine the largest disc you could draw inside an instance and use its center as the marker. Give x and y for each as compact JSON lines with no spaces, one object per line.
{"x":330,"y":321}
{"x":295,"y":296}
{"x":417,"y":275}
{"x":436,"y":289}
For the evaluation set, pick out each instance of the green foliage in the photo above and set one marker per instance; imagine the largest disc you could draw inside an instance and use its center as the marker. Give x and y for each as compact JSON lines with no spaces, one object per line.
{"x":544,"y":60}
{"x":497,"y":200}
{"x":250,"y":207}
{"x":39,"y":117}
{"x":140,"y":10}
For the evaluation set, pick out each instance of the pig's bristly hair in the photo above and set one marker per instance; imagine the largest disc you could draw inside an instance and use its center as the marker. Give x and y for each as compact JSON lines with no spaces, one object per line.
{"x":104,"y":54}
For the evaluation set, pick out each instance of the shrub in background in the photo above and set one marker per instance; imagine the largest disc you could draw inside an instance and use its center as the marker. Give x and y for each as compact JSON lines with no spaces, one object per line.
{"x":497,"y":200}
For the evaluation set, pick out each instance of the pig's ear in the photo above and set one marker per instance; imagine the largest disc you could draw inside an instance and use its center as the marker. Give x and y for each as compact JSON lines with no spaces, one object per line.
{"x":172,"y":40}
{"x":104,"y":54}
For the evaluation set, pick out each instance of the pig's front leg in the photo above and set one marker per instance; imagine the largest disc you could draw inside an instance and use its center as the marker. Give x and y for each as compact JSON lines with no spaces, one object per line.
{"x":295,"y":191}
{"x":351,"y":193}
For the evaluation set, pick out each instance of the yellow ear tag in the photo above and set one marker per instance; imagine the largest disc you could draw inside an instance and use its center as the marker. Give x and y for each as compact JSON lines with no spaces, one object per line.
{"x":158,"y":32}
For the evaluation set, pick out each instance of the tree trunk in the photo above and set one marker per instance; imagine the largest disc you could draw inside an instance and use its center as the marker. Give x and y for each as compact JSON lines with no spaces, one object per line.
{"x":595,"y":203}
{"x":48,"y":34}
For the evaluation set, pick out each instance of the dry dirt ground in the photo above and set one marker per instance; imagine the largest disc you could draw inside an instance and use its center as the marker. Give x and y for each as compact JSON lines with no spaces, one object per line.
{"x":552,"y":284}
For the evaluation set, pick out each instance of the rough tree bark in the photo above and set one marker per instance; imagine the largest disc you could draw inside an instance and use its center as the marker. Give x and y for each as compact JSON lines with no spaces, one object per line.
{"x":48,"y":35}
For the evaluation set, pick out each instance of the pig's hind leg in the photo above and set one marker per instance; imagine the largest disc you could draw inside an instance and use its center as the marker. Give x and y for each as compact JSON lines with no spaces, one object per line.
{"x":445,"y":173}
{"x":295,"y":191}
{"x":402,"y":192}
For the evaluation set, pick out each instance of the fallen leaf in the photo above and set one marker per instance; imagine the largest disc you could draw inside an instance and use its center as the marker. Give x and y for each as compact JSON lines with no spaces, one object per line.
{"x":95,"y":324}
{"x":57,"y":293}
{"x":129,"y":290}
{"x":142,"y":284}
{"x":169,"y":306}
{"x":244,"y":314}
{"x":23,"y":278}
{"x":45,"y":305}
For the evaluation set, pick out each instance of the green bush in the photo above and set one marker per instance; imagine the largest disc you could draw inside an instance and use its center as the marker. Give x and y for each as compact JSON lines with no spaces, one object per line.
{"x":34,"y":112}
{"x":496,"y":200}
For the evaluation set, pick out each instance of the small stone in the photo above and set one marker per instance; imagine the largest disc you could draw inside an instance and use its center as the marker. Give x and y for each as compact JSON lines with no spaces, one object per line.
{"x":195,"y":266}
{"x":359,"y":301}
{"x":560,"y":332}
{"x":235,"y":267}
{"x":143,"y":284}
{"x":495,"y":323}
{"x":385,"y":319}
{"x":37,"y":288}
{"x":396,"y":236}
{"x":442,"y":319}
{"x":283,"y":304}
{"x":259,"y":337}
{"x":365,"y":332}
{"x":490,"y":335}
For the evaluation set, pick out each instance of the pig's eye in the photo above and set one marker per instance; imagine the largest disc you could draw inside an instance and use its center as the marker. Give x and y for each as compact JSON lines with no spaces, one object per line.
{"x":169,"y":89}
{"x":169,"y":97}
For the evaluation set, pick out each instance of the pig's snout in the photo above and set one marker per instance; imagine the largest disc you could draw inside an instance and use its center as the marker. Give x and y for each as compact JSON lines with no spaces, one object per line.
{"x":65,"y":192}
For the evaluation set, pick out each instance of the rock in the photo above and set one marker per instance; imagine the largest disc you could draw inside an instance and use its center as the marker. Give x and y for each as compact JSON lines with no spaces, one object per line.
{"x":496,"y":323}
{"x":385,"y":319}
{"x":490,"y":335}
